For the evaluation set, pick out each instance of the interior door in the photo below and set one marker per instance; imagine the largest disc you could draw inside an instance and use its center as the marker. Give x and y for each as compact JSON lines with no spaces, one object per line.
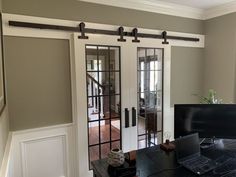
{"x":150,"y":92}
{"x":103,"y":106}
{"x":106,"y":83}
{"x":150,"y":96}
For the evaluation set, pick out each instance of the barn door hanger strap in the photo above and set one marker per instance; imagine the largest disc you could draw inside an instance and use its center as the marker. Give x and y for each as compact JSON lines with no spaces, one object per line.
{"x":119,"y":32}
{"x":82,"y":30}
{"x":164,"y":35}
{"x":135,"y":34}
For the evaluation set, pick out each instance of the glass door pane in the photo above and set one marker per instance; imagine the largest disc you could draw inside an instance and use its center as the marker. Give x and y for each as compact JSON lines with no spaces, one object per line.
{"x":150,"y":74}
{"x":103,"y":100}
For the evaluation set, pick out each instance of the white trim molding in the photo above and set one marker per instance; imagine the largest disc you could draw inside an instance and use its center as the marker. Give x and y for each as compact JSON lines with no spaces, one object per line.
{"x":49,"y":146}
{"x":168,"y":8}
{"x":220,"y":10}
{"x":22,"y":147}
{"x":27,"y":157}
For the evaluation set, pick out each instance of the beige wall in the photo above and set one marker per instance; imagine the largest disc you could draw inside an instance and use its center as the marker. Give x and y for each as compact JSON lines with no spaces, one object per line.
{"x":28,"y":108}
{"x":38,"y":82}
{"x":186,"y":75}
{"x":220,"y":55}
{"x":89,"y":12}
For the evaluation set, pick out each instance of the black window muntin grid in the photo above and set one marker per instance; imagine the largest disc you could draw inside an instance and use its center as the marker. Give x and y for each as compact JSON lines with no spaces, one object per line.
{"x":99,"y":99}
{"x":139,"y":94}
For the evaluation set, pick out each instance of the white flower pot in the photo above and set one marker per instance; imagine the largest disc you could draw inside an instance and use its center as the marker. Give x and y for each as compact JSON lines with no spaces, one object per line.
{"x":116,"y":158}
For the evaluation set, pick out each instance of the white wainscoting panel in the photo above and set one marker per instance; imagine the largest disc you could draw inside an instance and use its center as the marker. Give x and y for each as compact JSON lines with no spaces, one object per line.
{"x":44,"y":157}
{"x":43,"y":152}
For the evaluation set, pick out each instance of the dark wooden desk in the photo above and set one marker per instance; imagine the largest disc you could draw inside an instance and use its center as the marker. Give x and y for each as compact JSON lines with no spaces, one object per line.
{"x":152,"y":160}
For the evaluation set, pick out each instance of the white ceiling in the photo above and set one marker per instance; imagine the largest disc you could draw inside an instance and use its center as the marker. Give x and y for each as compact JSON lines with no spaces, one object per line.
{"x":202,"y":4}
{"x":196,"y":9}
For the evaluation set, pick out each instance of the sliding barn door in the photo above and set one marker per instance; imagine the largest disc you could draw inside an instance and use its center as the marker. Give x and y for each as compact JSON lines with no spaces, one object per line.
{"x":119,"y":96}
{"x":102,"y":72}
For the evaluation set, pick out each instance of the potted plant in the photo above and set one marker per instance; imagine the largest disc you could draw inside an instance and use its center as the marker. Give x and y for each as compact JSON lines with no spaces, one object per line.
{"x":211,"y":98}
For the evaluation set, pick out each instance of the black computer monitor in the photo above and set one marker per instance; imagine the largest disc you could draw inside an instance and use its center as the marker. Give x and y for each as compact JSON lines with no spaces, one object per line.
{"x":209,"y":120}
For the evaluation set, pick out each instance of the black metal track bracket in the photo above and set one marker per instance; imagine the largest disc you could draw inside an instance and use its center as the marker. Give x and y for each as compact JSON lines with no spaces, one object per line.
{"x":135,"y":34}
{"x":82,"y":30}
{"x":164,"y":36}
{"x":121,"y":33}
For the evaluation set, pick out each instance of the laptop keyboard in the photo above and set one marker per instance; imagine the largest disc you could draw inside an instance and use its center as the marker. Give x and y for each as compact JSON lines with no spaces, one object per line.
{"x":231,"y":174}
{"x":222,"y":159}
{"x":197,"y":161}
{"x":199,"y":164}
{"x":226,"y":167}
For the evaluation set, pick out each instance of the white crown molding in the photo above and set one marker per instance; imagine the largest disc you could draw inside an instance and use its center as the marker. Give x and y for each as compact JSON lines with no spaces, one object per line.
{"x":154,"y":6}
{"x":170,"y":8}
{"x":220,"y":10}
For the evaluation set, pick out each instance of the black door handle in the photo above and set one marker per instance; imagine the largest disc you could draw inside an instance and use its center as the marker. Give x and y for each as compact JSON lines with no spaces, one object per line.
{"x":126,"y":117}
{"x":133,"y":116}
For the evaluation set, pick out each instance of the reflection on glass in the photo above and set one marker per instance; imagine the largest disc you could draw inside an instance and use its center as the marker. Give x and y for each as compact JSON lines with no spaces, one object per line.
{"x":105,"y":137}
{"x":159,"y":120}
{"x":116,"y":145}
{"x":93,"y":153}
{"x":103,"y":90}
{"x":114,"y":82}
{"x":114,"y":59}
{"x":93,"y":130}
{"x":94,"y":109}
{"x":158,"y":53}
{"x":150,"y":96}
{"x":105,"y":107}
{"x":115,"y":106}
{"x":159,"y":101}
{"x":115,"y":133}
{"x":105,"y":149}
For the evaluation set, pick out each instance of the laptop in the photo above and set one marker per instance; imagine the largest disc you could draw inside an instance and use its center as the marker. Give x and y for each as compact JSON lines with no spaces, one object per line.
{"x":188,"y":154}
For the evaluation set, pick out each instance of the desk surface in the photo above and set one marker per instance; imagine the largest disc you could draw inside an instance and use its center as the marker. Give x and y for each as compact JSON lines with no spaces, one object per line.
{"x":152,"y":160}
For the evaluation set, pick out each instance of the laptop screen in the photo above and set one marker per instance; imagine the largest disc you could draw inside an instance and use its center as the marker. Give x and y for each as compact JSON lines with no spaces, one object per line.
{"x":187,"y":145}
